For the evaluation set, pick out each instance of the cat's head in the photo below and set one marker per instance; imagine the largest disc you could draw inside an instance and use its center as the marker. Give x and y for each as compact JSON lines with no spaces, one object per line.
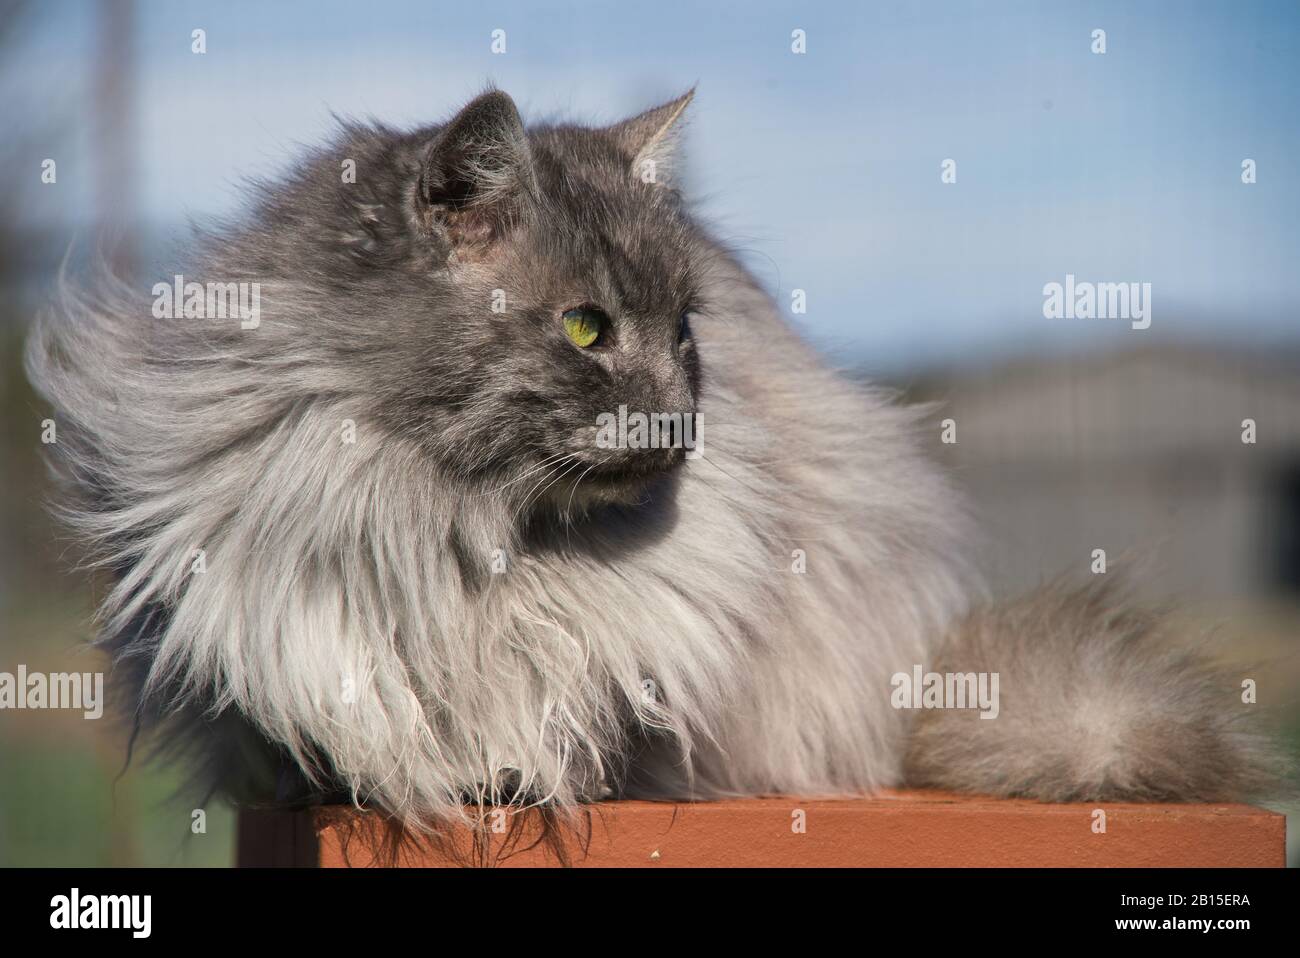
{"x":531,"y":282}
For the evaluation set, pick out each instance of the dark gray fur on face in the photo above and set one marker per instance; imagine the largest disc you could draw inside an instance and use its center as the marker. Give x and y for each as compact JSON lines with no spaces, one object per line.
{"x":410,"y":257}
{"x":469,"y":599}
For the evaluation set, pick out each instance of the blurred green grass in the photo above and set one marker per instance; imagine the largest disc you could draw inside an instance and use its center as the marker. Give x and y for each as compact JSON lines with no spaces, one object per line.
{"x":61,"y":800}
{"x":59,"y":807}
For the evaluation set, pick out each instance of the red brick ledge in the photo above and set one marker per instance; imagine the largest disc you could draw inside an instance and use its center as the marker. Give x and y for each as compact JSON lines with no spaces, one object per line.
{"x":895,"y":829}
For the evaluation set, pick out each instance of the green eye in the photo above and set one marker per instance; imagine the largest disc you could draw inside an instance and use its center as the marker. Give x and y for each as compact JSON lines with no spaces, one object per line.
{"x":583,"y":325}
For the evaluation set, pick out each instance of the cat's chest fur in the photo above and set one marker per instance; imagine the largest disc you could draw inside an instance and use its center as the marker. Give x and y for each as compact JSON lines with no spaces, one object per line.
{"x":807,"y":551}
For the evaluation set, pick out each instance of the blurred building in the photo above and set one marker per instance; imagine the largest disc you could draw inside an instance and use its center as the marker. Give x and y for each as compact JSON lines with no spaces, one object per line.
{"x":1139,"y":453}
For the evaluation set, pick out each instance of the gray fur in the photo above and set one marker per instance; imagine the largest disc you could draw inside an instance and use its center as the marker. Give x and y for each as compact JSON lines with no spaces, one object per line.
{"x":372,"y":561}
{"x":1099,"y":701}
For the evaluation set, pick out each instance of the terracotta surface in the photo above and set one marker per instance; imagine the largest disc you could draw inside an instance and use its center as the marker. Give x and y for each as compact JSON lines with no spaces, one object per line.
{"x":894,"y":829}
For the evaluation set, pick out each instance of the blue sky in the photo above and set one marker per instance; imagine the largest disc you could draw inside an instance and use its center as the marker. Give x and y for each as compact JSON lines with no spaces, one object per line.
{"x":824,"y":167}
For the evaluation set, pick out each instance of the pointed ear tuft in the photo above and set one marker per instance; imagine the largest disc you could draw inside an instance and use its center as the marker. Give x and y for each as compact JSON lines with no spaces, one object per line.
{"x":650,"y":140}
{"x":480,"y":158}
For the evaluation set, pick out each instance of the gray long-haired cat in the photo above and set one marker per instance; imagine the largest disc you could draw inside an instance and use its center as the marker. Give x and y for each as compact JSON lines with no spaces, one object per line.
{"x":373,"y":530}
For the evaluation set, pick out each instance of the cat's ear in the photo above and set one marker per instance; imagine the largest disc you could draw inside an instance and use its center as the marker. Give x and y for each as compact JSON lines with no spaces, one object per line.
{"x":478,"y":169}
{"x":650,"y":139}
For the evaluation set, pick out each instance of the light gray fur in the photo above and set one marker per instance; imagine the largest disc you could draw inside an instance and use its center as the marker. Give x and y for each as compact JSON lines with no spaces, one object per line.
{"x":1100,"y":700}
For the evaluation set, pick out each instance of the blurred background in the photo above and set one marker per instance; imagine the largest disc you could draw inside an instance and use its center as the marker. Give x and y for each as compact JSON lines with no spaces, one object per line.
{"x":825,"y":168}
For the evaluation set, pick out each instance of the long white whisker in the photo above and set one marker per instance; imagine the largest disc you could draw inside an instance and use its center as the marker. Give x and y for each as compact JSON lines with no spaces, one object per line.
{"x":537,"y":488}
{"x":568,"y":530}
{"x":550,"y":460}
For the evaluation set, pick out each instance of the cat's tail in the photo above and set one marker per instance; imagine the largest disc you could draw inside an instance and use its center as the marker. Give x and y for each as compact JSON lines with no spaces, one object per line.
{"x":1095,"y":702}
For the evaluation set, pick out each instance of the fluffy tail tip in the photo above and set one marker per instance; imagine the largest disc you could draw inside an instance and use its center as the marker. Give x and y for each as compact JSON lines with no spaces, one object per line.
{"x":1095,"y":703}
